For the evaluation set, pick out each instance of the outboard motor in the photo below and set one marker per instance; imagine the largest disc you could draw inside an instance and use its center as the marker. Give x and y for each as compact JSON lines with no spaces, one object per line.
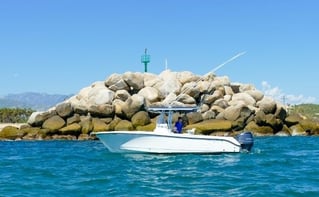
{"x":246,"y":140}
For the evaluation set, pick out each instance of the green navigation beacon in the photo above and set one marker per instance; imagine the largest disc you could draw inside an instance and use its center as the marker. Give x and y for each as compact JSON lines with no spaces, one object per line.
{"x":145,"y":59}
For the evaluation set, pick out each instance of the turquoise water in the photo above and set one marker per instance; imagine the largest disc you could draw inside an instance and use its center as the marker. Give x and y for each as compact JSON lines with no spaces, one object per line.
{"x":277,"y":166}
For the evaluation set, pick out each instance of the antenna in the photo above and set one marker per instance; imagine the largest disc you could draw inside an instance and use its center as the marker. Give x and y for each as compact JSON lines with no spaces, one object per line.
{"x":226,"y":62}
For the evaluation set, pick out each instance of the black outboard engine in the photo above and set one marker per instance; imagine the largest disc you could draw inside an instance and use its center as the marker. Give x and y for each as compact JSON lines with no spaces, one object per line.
{"x":246,"y":140}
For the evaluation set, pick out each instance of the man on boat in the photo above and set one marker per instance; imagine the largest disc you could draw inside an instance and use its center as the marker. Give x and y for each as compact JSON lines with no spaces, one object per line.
{"x":178,"y":125}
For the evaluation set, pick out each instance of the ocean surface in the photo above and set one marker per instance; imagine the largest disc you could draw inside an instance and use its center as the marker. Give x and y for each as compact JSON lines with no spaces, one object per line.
{"x":277,"y":166}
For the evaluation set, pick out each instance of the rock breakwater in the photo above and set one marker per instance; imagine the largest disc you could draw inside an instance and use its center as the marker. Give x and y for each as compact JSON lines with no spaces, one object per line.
{"x":120,"y":103}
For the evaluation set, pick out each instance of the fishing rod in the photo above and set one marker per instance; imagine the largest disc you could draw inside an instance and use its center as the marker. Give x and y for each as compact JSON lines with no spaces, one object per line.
{"x":212,"y":71}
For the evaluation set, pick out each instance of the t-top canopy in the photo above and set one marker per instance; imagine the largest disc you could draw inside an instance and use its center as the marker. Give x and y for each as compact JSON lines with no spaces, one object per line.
{"x":171,"y":109}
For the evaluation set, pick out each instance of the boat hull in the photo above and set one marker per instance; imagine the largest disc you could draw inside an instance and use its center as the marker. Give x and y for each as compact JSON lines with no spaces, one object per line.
{"x":152,"y":142}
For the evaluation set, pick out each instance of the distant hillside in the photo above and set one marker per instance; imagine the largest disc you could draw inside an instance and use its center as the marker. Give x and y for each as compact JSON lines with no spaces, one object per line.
{"x":35,"y":101}
{"x":308,"y":110}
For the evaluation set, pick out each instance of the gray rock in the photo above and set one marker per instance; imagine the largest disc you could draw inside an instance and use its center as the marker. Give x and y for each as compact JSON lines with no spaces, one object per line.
{"x":64,"y":109}
{"x":132,"y":105}
{"x":100,"y":96}
{"x":37,"y":118}
{"x":134,"y":80}
{"x":246,"y":98}
{"x":54,"y":123}
{"x":141,"y":118}
{"x":104,"y":110}
{"x":186,"y":77}
{"x":194,"y":117}
{"x":74,"y":119}
{"x":149,"y":93}
{"x":122,"y":95}
{"x":186,"y":99}
{"x":268,"y":105}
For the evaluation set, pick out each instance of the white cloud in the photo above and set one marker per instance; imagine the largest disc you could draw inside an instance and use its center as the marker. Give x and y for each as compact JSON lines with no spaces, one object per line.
{"x":279,"y":95}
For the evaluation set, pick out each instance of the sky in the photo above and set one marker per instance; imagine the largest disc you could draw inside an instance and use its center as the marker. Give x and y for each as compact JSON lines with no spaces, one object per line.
{"x":62,"y":46}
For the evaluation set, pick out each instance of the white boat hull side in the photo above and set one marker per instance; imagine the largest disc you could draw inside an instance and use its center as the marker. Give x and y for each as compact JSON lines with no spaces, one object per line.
{"x":150,"y":142}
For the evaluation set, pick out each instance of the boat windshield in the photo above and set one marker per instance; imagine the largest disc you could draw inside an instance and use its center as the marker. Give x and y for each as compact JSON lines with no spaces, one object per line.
{"x":169,"y":112}
{"x":161,"y":119}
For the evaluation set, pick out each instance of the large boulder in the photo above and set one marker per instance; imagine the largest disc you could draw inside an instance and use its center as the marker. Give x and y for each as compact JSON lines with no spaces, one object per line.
{"x":260,"y":118}
{"x":113,"y":124}
{"x":150,"y":79}
{"x":244,"y":97}
{"x":64,"y":109}
{"x":273,"y":122}
{"x":99,"y":125}
{"x":309,"y":126}
{"x":150,"y":94}
{"x":259,"y":130}
{"x":134,"y":80}
{"x":148,"y":127}
{"x":80,"y":109}
{"x":100,"y":96}
{"x":124,"y":125}
{"x":169,"y":83}
{"x":118,"y":106}
{"x":141,"y":118}
{"x":186,"y":99}
{"x":170,"y":98}
{"x":256,"y":94}
{"x":293,"y":120}
{"x":54,"y":123}
{"x":132,"y":105}
{"x":33,"y":133}
{"x":204,"y":86}
{"x":297,"y":130}
{"x":268,"y":105}
{"x":72,"y":129}
{"x":212,"y":98}
{"x":228,"y":90}
{"x":104,"y":110}
{"x":209,"y":126}
{"x":191,"y":89}
{"x":209,"y":115}
{"x":116,"y":82}
{"x":86,"y":125}
{"x":11,"y":133}
{"x":122,"y":95}
{"x":221,"y":81}
{"x":186,"y":77}
{"x":74,"y":119}
{"x":194,"y":117}
{"x":37,"y":118}
{"x":235,"y":112}
{"x":281,"y":112}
